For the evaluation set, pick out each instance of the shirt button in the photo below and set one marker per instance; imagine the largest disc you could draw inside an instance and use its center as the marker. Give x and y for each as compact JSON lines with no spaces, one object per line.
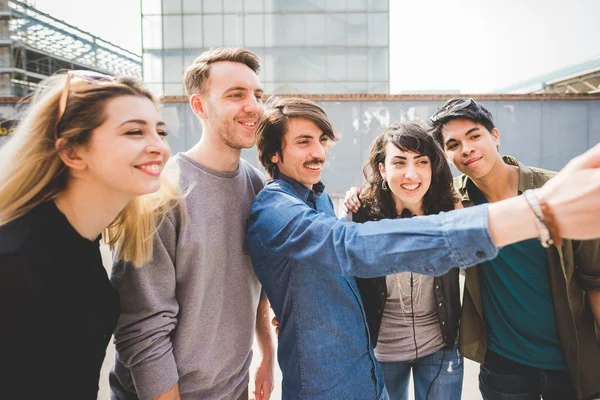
{"x":480,"y":254}
{"x":430,"y":269}
{"x":441,"y":304}
{"x":437,"y":287}
{"x":383,"y":293}
{"x":443,"y":322}
{"x":379,"y":311}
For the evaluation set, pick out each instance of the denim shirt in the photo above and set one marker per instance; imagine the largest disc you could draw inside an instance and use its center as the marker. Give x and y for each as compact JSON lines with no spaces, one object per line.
{"x":306,"y":258}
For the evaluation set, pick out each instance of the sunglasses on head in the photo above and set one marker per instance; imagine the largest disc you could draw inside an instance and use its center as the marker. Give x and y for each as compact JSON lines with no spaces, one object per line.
{"x":92,"y":77}
{"x":452,"y":106}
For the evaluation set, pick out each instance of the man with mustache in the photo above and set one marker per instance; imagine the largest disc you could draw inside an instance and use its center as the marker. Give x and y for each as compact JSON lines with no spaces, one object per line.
{"x":189,"y":316}
{"x":306,"y":258}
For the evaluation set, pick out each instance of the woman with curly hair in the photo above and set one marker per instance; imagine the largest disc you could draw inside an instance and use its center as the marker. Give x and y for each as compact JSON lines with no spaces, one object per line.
{"x":413,"y":319}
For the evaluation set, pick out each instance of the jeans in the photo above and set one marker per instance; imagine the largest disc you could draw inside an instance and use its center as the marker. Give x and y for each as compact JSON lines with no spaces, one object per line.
{"x":503,"y":379}
{"x":440,"y":374}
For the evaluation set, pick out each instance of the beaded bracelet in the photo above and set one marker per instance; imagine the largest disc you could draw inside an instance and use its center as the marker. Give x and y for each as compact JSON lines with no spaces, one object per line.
{"x":545,"y":221}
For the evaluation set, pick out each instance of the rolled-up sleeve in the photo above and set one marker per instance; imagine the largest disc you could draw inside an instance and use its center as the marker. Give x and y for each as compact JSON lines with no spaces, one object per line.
{"x":587,"y":263}
{"x":283,"y":225}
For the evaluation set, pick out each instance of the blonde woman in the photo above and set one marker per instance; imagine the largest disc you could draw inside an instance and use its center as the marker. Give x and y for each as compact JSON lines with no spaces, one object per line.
{"x":86,"y":149}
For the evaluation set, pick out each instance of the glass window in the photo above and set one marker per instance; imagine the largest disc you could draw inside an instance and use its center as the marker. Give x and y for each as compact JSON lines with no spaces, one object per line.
{"x":315,"y":64}
{"x":357,"y":66}
{"x":378,"y":29}
{"x":379,"y":87}
{"x":153,"y":66}
{"x":174,"y":89}
{"x":155,"y":88}
{"x":304,"y":5}
{"x":152,"y":32}
{"x":356,"y":29}
{"x":270,"y":28}
{"x":335,"y":5}
{"x":233,"y":6}
{"x":336,"y":29}
{"x":212,"y":6}
{"x":336,"y":65}
{"x":189,"y":55}
{"x":253,"y":30}
{"x":378,"y":64}
{"x":378,"y":5}
{"x":172,"y":38}
{"x":171,"y":6}
{"x":314,"y":87}
{"x":356,"y":5}
{"x":232,"y":31}
{"x":151,"y":7}
{"x":192,"y":6}
{"x":336,"y":88}
{"x":357,"y":87}
{"x":173,"y":67}
{"x":213,"y":30}
{"x":192,"y":31}
{"x":294,"y":27}
{"x":257,"y":6}
{"x":316,"y":31}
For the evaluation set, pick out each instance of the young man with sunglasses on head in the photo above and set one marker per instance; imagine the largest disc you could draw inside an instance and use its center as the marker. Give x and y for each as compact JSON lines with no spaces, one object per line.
{"x":307,"y":259}
{"x":530,"y":315}
{"x":189,"y":316}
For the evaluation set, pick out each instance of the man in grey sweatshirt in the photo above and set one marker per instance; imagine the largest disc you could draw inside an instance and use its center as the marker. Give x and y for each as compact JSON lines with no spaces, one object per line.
{"x":188,"y":316}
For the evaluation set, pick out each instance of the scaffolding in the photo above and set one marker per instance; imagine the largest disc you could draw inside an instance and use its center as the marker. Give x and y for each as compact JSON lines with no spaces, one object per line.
{"x":34,"y":45}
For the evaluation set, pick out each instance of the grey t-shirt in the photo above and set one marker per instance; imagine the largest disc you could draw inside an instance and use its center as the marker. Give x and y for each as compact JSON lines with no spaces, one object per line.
{"x":189,"y":315}
{"x":396,"y":341}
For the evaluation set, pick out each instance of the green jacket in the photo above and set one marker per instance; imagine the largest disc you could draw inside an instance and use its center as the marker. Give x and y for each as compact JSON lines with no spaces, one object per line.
{"x":574,"y":268}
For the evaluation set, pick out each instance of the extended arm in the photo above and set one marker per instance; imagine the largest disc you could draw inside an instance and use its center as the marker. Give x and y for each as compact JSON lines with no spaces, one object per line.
{"x":264,"y":381}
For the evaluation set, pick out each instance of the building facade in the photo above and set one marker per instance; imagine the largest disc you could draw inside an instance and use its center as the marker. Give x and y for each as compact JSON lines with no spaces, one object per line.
{"x":309,"y":46}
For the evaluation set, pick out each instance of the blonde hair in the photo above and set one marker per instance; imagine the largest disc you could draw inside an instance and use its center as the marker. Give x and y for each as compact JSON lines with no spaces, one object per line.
{"x":198,"y":72}
{"x":32,"y":172}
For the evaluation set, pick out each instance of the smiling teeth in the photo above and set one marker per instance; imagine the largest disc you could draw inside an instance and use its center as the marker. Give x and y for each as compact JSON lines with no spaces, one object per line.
{"x":250,"y":124}
{"x":151,"y":167}
{"x":411,"y":187}
{"x":315,"y":167}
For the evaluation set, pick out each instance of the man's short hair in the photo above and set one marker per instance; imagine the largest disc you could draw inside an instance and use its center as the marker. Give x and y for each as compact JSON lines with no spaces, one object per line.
{"x":197,"y":74}
{"x":270,"y":131}
{"x":464,"y":108}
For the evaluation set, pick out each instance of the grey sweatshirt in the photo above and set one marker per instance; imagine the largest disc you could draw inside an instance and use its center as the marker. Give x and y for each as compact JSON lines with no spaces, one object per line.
{"x":189,"y":315}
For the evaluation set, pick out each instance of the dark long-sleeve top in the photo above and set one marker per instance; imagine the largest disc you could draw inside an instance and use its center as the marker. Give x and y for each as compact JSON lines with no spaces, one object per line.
{"x":58,"y":309}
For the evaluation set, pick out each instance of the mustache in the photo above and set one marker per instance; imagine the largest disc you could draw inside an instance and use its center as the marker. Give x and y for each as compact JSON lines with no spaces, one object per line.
{"x":314,"y":161}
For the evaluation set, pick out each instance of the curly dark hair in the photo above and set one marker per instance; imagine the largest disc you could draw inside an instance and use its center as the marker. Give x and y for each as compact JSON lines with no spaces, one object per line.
{"x":379,"y":204}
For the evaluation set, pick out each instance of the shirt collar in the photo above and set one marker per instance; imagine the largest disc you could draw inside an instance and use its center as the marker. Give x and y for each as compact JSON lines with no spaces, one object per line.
{"x":305,"y":193}
{"x":466,"y":187}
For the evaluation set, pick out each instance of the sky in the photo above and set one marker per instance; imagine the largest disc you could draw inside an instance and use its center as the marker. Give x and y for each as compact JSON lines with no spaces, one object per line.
{"x":471,"y":46}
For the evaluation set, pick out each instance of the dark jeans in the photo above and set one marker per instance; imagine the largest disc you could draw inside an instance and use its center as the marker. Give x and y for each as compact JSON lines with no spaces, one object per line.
{"x":503,"y":379}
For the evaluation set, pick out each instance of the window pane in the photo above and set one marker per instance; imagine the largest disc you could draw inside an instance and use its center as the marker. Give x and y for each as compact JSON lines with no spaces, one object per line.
{"x":356,"y":5}
{"x":357,"y":66}
{"x":192,"y":31}
{"x":378,"y":64}
{"x":357,"y":29}
{"x":335,"y":5}
{"x":336,"y":29}
{"x":378,"y":5}
{"x":192,"y":6}
{"x":153,"y":67}
{"x":316,"y":32}
{"x":173,"y":67}
{"x":174,"y":89}
{"x":358,"y":87}
{"x":378,"y":29}
{"x":233,"y":6}
{"x":258,"y":6}
{"x":213,"y":30}
{"x":315,"y":63}
{"x":233,"y":30}
{"x":212,"y":6}
{"x":171,"y":6}
{"x":270,"y":28}
{"x":294,"y":27}
{"x":336,"y":65}
{"x":253,"y":30}
{"x":152,"y":32}
{"x":155,"y":88}
{"x":151,"y":7}
{"x":172,"y":32}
